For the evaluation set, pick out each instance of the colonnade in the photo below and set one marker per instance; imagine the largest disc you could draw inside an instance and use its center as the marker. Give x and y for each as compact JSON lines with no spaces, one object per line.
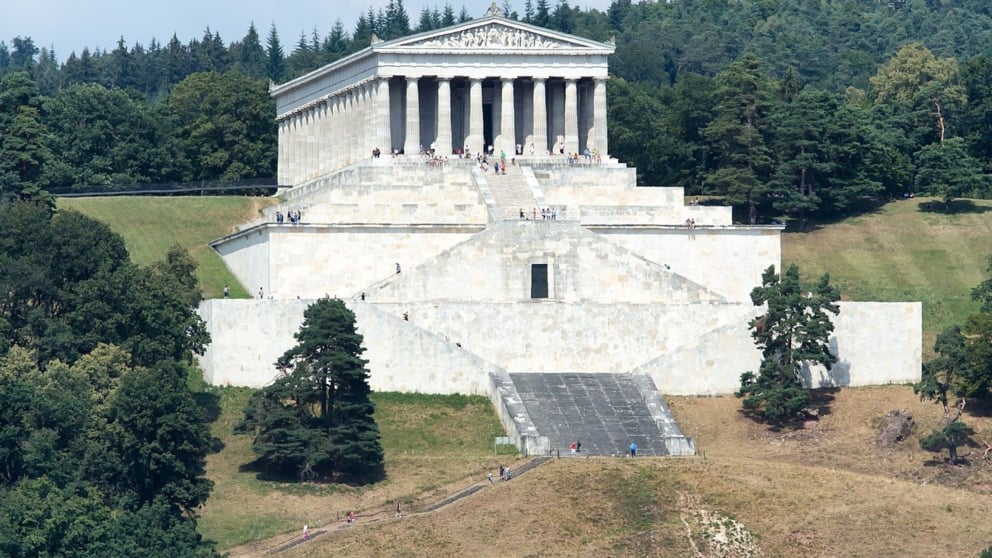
{"x":411,"y":114}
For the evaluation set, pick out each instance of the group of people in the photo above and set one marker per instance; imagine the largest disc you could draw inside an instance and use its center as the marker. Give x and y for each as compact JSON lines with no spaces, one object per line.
{"x":294,"y":216}
{"x":504,"y":474}
{"x":547,"y":213}
{"x":575,"y":446}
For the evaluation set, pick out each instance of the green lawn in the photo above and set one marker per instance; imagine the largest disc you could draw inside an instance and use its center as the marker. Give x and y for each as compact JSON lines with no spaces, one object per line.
{"x":150,"y":225}
{"x":903,"y":253}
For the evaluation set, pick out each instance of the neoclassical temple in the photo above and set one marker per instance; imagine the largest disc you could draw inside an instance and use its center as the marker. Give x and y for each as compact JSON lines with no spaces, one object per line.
{"x":557,"y":271}
{"x":490,"y":82}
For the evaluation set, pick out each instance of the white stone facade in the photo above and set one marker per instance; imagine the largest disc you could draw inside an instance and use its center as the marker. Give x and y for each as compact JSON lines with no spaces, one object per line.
{"x":491,"y":82}
{"x":625,"y":279}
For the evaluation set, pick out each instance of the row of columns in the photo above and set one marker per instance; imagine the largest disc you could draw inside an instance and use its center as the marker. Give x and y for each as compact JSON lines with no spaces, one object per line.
{"x":344,"y":128}
{"x":333,"y":132}
{"x":564,"y":108}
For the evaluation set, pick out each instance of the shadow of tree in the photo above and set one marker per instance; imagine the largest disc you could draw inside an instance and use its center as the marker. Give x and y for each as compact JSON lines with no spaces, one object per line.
{"x":955,"y":206}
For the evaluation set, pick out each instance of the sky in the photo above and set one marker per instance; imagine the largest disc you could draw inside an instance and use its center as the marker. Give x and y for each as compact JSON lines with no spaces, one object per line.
{"x":69,"y":25}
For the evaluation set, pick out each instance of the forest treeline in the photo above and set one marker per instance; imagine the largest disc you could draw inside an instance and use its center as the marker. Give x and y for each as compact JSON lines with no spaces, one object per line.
{"x":798,"y":109}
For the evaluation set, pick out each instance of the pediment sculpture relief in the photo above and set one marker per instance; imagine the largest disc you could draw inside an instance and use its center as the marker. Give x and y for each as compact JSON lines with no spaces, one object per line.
{"x":496,"y":36}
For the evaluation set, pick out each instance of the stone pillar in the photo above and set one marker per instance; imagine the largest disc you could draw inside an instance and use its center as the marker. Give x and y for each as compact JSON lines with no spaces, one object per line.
{"x":443,"y":140}
{"x":322,"y":140}
{"x":381,"y":126}
{"x":281,"y":154}
{"x":571,"y":117}
{"x":540,"y":137}
{"x":411,"y":145}
{"x":474,"y":140}
{"x":507,"y":138}
{"x":333,"y":150}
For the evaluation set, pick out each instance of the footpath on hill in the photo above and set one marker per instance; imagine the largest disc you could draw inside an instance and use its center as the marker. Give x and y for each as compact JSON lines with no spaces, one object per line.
{"x":281,"y":543}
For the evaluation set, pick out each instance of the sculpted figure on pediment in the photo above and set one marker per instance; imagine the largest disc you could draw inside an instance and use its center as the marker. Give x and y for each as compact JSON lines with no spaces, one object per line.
{"x":492,"y":36}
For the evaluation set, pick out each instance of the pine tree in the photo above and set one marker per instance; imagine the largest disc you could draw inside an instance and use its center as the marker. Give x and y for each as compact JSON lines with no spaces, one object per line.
{"x":543,"y":15}
{"x":794,"y":331}
{"x":273,"y":48}
{"x":317,"y":416}
{"x":735,"y":134}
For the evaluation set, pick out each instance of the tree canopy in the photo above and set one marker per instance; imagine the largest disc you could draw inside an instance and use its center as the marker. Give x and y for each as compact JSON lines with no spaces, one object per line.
{"x":102,"y":446}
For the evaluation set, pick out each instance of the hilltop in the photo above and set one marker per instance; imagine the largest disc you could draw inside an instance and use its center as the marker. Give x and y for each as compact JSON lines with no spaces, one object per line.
{"x":769,"y":493}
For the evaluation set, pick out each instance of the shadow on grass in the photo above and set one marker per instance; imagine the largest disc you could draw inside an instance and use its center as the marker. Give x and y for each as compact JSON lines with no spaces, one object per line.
{"x":954,"y":207}
{"x":817,"y":405}
{"x":980,"y":407}
{"x":860,"y":208}
{"x":293,"y":480}
{"x":209,"y":403}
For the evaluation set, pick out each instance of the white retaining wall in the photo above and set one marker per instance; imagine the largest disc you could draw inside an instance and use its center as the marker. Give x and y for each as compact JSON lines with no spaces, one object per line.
{"x":727,"y":260}
{"x":693,"y":350}
{"x":310,"y":261}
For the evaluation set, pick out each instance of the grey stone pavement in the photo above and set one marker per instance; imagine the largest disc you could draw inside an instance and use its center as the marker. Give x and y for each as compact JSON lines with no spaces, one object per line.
{"x":606,"y":412}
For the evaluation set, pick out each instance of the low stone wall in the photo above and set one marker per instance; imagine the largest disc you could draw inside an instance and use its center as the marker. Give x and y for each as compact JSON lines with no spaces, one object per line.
{"x":249,"y":335}
{"x":876,"y":343}
{"x":692,"y":351}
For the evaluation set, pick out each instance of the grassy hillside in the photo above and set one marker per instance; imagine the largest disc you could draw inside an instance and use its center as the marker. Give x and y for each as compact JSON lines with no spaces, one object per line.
{"x":825,"y":490}
{"x":150,"y":225}
{"x":903,"y":252}
{"x":433,"y":445}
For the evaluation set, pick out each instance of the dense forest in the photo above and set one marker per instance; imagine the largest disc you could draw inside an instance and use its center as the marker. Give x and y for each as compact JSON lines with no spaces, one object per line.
{"x":102,"y":444}
{"x":797,"y":109}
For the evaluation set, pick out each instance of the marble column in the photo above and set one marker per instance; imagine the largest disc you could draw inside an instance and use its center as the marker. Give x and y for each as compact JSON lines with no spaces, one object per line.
{"x":333,"y":123}
{"x":381,"y":126}
{"x":281,"y":154}
{"x":571,"y":117}
{"x":443,"y":117}
{"x":540,"y":137}
{"x":507,"y":138}
{"x":297,"y":154}
{"x":600,"y":137}
{"x":320,"y":131}
{"x":411,"y":145}
{"x":475,"y":127}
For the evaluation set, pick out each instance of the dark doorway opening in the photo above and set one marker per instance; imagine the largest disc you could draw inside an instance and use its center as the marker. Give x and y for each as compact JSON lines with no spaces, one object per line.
{"x":487,"y":126}
{"x":539,"y":281}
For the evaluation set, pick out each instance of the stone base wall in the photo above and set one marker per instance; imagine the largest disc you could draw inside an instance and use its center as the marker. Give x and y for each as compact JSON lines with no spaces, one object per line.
{"x":685,"y":351}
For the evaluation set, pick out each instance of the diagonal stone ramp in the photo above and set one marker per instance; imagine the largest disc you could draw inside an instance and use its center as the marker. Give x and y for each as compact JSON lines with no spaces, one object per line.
{"x":606,"y":412}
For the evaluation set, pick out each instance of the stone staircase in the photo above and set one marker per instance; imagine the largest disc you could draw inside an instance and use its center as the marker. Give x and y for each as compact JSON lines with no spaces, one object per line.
{"x":606,"y":412}
{"x":512,"y":192}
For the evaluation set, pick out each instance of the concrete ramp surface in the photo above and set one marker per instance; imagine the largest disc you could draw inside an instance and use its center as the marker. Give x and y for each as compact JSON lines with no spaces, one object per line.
{"x":606,"y":412}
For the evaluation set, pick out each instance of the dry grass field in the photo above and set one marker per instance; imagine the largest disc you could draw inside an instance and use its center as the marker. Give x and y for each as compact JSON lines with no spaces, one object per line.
{"x":822,"y":491}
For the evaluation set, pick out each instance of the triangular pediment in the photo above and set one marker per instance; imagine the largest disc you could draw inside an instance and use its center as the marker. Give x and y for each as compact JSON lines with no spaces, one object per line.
{"x":493,"y":33}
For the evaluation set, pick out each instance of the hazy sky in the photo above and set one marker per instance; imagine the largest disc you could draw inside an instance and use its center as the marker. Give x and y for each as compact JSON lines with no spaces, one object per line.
{"x":70,"y":25}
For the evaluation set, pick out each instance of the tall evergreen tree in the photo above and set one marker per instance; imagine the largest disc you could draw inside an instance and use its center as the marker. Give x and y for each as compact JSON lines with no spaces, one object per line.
{"x":249,"y":55}
{"x":542,"y":16}
{"x":317,"y":417}
{"x":794,"y":331}
{"x":742,"y":160}
{"x":273,"y":49}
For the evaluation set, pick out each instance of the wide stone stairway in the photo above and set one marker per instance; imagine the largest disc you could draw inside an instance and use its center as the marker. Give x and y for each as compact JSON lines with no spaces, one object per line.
{"x":606,"y":412}
{"x":512,"y":193}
